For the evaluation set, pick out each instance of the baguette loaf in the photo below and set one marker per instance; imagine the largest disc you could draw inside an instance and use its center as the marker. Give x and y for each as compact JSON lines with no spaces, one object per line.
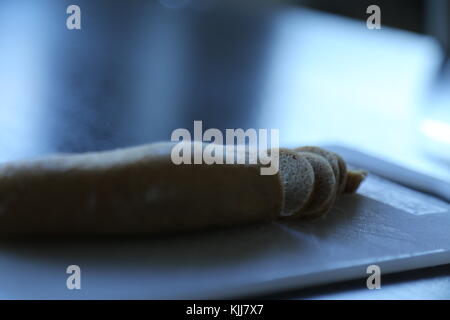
{"x":140,"y":191}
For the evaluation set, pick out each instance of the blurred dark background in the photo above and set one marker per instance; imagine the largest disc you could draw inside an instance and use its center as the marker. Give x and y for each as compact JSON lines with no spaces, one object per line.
{"x":410,"y":15}
{"x":422,"y":16}
{"x":137,"y":70}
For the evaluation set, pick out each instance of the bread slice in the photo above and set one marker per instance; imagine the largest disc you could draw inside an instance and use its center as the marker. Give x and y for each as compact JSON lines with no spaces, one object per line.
{"x":354,"y":179}
{"x":297,"y":177}
{"x":343,"y":173}
{"x":325,"y":185}
{"x":337,"y":163}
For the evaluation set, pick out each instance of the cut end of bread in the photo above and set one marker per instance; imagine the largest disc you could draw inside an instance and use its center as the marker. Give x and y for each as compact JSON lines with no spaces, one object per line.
{"x":297,"y":177}
{"x":354,"y":179}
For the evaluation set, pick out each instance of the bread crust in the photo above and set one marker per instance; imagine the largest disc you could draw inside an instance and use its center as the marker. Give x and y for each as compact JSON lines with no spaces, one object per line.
{"x":131,"y":191}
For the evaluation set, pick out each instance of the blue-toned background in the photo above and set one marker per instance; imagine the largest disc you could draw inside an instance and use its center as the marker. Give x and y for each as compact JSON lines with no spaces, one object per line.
{"x":137,"y":70}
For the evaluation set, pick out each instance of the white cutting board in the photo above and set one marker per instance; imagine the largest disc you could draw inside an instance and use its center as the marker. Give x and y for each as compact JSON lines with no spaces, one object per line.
{"x":385,"y":224}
